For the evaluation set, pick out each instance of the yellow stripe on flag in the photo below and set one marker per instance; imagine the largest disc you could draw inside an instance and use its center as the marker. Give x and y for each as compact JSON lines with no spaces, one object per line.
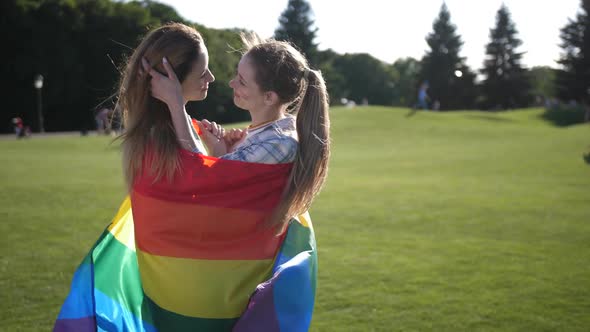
{"x":304,"y":219}
{"x":122,"y":225}
{"x":201,"y":288}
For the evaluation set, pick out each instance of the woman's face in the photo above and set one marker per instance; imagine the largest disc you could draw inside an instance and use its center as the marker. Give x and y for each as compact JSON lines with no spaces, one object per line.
{"x":247,"y":94}
{"x":196,"y":83}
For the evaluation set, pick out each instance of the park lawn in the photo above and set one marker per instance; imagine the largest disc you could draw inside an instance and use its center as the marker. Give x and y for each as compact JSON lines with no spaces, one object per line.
{"x":460,"y":221}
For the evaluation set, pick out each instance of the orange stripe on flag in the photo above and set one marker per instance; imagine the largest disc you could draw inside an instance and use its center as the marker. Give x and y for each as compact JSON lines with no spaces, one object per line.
{"x":186,"y":230}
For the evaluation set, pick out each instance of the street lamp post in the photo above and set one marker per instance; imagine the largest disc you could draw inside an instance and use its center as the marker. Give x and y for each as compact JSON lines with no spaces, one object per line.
{"x":39,"y":86}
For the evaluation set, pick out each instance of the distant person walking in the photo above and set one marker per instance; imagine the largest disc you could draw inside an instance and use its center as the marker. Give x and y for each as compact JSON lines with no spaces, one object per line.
{"x":102,"y":119}
{"x":423,"y":97}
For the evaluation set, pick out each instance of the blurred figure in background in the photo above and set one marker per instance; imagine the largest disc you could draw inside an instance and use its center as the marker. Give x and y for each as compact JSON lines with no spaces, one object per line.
{"x":102,"y":120}
{"x":20,"y":129}
{"x":423,"y":97}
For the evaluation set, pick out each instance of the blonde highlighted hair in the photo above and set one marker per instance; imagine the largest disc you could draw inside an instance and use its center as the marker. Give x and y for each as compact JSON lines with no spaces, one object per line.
{"x":148,"y":124}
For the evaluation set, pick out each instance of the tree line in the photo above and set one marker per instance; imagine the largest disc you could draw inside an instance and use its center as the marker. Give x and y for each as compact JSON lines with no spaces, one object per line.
{"x":79,"y":47}
{"x":505,"y":84}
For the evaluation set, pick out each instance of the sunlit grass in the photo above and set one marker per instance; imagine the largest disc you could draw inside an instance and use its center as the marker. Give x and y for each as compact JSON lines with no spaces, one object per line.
{"x":456,"y":221}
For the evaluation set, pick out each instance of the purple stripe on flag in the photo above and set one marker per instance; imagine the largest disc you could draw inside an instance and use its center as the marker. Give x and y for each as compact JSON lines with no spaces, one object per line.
{"x":260,"y":314}
{"x":75,"y":325}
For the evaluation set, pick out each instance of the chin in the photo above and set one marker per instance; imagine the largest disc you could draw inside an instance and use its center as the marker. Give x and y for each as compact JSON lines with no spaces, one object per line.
{"x":200,"y":97}
{"x":238,"y":103}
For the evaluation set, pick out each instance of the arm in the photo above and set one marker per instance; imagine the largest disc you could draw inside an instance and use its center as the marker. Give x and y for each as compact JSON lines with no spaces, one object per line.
{"x":185,"y":133}
{"x":168,"y":89}
{"x":200,"y":147}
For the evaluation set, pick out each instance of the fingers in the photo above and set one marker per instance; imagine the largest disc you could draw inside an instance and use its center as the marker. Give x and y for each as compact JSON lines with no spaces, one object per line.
{"x":203,"y":127}
{"x":206,"y":130}
{"x":234,"y":137}
{"x":241,"y":136}
{"x":236,"y":134}
{"x":213,"y":128}
{"x":217,"y":130}
{"x":169,"y":69}
{"x":206,"y":123}
{"x":145,"y":65}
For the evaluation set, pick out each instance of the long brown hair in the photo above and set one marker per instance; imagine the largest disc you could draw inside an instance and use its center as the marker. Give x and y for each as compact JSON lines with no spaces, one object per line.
{"x":147,"y":120}
{"x":281,"y":68}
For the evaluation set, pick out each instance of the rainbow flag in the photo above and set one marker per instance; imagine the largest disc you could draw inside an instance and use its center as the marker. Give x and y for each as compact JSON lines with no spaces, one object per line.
{"x":190,"y":255}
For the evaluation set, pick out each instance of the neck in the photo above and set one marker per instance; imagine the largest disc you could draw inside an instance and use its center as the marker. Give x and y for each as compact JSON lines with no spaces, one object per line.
{"x":262,"y":118}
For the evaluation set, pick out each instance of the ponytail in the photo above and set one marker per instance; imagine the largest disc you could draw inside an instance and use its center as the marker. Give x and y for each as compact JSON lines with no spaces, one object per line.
{"x":281,"y":68}
{"x":310,"y":167}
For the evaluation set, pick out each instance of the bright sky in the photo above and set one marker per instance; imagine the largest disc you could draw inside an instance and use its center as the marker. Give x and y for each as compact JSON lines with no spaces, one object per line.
{"x":352,"y":26}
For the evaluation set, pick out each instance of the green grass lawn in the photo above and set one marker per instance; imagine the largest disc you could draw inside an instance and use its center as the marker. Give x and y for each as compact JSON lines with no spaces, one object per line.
{"x":463,"y":221}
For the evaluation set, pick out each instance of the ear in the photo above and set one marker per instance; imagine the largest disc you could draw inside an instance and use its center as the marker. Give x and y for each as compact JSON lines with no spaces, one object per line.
{"x":271,"y":98}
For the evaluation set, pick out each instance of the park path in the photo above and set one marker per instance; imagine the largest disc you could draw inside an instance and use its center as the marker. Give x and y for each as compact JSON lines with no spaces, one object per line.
{"x":48,"y":135}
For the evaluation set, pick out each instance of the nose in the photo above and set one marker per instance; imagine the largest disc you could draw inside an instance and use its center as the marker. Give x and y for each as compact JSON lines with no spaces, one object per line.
{"x":212,"y":78}
{"x":231,"y":83}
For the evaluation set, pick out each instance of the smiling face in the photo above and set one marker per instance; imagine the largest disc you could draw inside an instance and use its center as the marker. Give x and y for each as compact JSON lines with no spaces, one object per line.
{"x":247,"y":93}
{"x":196,"y":83}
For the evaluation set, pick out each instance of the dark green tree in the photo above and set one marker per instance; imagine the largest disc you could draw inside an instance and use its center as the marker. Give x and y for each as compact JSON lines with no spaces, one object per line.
{"x":404,"y":89}
{"x":573,"y":79}
{"x":365,"y":77}
{"x":335,"y":80}
{"x":542,"y":80}
{"x":506,"y":84}
{"x":161,"y":11}
{"x":443,"y":68}
{"x":466,"y":90}
{"x":79,"y":46}
{"x":297,"y":26}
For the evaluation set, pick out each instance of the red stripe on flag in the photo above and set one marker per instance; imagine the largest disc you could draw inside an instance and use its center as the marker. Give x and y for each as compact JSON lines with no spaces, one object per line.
{"x":210,"y":181}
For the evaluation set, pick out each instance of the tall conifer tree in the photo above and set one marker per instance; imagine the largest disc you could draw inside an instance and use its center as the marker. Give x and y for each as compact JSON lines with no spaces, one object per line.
{"x":506,"y":84}
{"x":297,"y":26}
{"x":451,"y":82}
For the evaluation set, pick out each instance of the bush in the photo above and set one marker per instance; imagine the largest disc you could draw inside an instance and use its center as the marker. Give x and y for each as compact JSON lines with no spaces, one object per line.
{"x":564,"y":115}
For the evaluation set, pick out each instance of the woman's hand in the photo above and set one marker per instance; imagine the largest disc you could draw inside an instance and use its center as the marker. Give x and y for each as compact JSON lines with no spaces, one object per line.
{"x":234,"y":137}
{"x":212,"y":135}
{"x":166,"y":88}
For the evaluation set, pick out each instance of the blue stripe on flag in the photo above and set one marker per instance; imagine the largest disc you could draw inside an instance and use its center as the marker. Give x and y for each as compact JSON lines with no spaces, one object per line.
{"x":79,"y":304}
{"x":111,"y":316}
{"x":293,"y":293}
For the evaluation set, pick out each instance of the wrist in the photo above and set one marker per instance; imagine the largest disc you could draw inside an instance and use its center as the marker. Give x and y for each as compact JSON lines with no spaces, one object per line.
{"x":176,"y":107}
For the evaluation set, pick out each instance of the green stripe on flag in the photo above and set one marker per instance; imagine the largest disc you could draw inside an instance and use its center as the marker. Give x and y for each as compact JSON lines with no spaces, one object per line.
{"x":169,"y":321}
{"x":116,"y":274}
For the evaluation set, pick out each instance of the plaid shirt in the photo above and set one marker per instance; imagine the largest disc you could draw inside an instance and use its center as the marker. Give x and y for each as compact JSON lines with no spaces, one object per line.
{"x":275,"y":143}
